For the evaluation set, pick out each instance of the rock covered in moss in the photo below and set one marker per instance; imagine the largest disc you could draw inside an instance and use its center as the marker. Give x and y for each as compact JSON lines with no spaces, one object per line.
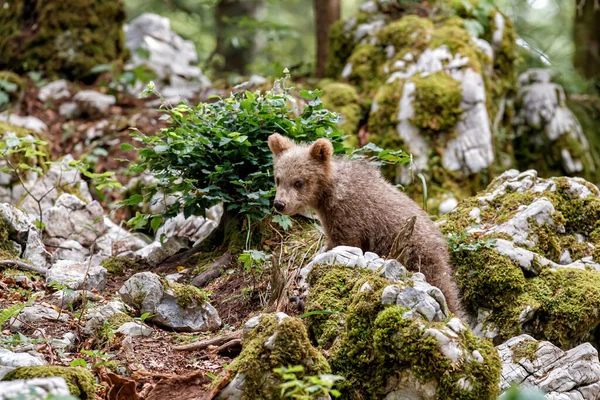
{"x":170,"y":304}
{"x":23,"y":388}
{"x":80,"y":381}
{"x":549,"y":137}
{"x":430,"y":81}
{"x":62,"y":38}
{"x":109,"y":316}
{"x":271,"y":341}
{"x":526,"y":252}
{"x":391,"y":334}
{"x":343,"y":99}
{"x":572,"y":374}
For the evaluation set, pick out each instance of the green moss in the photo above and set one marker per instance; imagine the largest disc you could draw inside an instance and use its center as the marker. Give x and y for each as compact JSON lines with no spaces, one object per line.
{"x":7,"y":248}
{"x":587,"y":110}
{"x":117,"y":265}
{"x":107,"y":332}
{"x":525,"y":350}
{"x":437,"y":102}
{"x":80,"y":381}
{"x":187,"y":295}
{"x":343,"y":99}
{"x":63,"y":38}
{"x":370,"y":343}
{"x":408,"y":32}
{"x":340,"y":47}
{"x":564,"y":302}
{"x":458,"y":41}
{"x":291,"y":346}
{"x":505,"y":55}
{"x":367,"y":61}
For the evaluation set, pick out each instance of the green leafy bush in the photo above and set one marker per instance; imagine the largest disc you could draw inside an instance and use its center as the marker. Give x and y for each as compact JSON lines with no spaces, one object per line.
{"x":217,"y":151}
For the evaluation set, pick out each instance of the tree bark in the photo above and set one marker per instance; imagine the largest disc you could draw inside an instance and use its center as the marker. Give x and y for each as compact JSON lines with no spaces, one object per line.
{"x":235,"y":46}
{"x":326,"y":13}
{"x":587,"y":38}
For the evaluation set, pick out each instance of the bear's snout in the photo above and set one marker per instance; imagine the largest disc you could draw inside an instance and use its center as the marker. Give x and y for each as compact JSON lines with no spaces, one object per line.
{"x":279,"y":205}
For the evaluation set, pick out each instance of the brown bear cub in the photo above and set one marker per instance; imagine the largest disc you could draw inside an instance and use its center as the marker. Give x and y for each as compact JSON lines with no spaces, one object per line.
{"x":359,"y":208}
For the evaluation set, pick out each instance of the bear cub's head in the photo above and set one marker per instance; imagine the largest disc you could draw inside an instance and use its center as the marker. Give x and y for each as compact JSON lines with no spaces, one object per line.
{"x":301,"y":173}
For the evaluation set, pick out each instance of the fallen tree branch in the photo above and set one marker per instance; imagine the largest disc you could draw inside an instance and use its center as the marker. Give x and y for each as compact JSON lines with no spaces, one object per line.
{"x":25,"y":266}
{"x":210,"y":342}
{"x":231,"y":343}
{"x":213,"y":272}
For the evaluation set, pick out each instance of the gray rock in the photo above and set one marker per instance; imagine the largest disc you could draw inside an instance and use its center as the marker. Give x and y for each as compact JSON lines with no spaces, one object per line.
{"x":71,"y":250}
{"x":69,"y":110}
{"x":448,"y":205}
{"x":96,"y":317}
{"x":572,"y":374}
{"x":34,"y":389}
{"x":143,"y":291}
{"x":28,"y":122}
{"x":194,"y":228}
{"x":393,"y":271}
{"x":171,"y":57}
{"x":57,"y":90}
{"x":59,"y":176}
{"x":194,"y":317}
{"x":415,"y":299}
{"x":94,"y":104}
{"x":544,"y":116}
{"x":146,"y":292}
{"x":35,"y":313}
{"x":68,"y":299}
{"x":344,"y":255}
{"x":155,"y":253}
{"x":118,"y":240}
{"x":71,"y":218}
{"x":135,"y":329}
{"x":77,"y":275}
{"x":15,"y":360}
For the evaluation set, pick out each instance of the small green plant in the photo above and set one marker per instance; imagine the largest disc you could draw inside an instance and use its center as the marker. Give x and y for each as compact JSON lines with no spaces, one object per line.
{"x":252,"y":260}
{"x":99,"y":358}
{"x":465,"y":242}
{"x":296,"y":386}
{"x":7,"y":89}
{"x":516,"y":393}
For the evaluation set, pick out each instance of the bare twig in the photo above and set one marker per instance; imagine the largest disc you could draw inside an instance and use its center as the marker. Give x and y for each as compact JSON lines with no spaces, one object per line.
{"x":210,"y":342}
{"x":400,"y":246}
{"x":25,"y":266}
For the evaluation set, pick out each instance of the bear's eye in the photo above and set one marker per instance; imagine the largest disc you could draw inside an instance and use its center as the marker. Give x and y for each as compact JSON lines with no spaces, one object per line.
{"x":277,"y":181}
{"x":299,"y":184}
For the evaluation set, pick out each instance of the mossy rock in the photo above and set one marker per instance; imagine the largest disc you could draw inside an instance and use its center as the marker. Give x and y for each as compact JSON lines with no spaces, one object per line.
{"x":527,"y":258}
{"x":383,"y":349}
{"x":62,"y":38}
{"x":272,"y":341}
{"x":80,"y":381}
{"x":343,"y":99}
{"x":117,"y":265}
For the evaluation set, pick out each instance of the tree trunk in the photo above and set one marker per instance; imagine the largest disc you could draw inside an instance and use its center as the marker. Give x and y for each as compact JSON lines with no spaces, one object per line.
{"x":587,"y":39}
{"x":326,"y":13}
{"x":233,"y":44}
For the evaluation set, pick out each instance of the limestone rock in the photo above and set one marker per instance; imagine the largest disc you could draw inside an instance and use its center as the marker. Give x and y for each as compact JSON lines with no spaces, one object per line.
{"x":57,"y":90}
{"x":34,"y":313}
{"x":572,"y":374}
{"x":71,"y":218}
{"x":171,"y":57}
{"x":28,"y":122}
{"x":526,"y":249}
{"x":94,"y":104}
{"x":180,"y":307}
{"x":96,"y":317}
{"x":135,"y":329}
{"x":41,"y":388}
{"x":77,"y":275}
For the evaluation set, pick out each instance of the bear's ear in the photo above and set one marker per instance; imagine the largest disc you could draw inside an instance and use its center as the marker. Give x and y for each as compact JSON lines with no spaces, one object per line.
{"x":321,"y":150}
{"x":278,"y":144}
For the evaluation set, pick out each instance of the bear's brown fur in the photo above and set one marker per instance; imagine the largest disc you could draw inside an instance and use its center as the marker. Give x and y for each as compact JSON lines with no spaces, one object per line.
{"x":358,"y":207}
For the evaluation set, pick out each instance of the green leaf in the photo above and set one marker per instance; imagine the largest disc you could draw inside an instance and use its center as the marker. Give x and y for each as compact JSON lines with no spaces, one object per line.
{"x":102,"y":68}
{"x":127,"y":146}
{"x":283,"y":220}
{"x":78,"y":362}
{"x":7,"y":86}
{"x":155,"y":223}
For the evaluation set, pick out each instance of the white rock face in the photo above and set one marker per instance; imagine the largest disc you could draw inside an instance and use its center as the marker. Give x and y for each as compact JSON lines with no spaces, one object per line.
{"x":543,"y":115}
{"x":170,"y":56}
{"x":146,"y":292}
{"x":71,"y":218}
{"x":572,"y":374}
{"x":57,"y":90}
{"x":29,"y":122}
{"x":77,"y":275}
{"x":96,"y":317}
{"x":94,"y":104}
{"x":135,"y":329}
{"x":34,"y":389}
{"x":33,"y":314}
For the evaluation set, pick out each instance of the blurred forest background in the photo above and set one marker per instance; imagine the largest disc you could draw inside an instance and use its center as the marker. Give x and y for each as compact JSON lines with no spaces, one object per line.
{"x":284,"y":33}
